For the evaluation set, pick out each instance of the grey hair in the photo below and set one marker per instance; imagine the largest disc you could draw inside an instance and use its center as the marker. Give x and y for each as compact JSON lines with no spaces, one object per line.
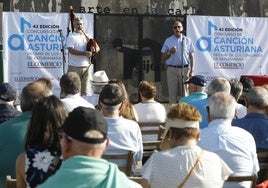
{"x":218,"y":85}
{"x":257,"y":97}
{"x":222,"y":106}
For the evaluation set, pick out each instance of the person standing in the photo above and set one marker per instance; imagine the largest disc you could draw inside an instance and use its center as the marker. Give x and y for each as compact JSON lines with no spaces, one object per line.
{"x":177,"y":52}
{"x":80,"y":58}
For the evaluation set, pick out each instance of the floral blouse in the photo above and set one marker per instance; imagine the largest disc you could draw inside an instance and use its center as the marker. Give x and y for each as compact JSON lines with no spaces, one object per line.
{"x":37,"y":164}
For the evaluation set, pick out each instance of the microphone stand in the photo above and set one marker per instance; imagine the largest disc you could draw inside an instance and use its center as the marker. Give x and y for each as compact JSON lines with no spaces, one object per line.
{"x":182,"y":71}
{"x":62,"y":51}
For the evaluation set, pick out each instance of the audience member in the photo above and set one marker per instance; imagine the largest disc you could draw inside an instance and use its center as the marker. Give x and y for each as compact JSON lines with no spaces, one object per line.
{"x":70,"y":85}
{"x":182,"y":154}
{"x":256,"y":120}
{"x":196,"y":87}
{"x":148,"y":109}
{"x":42,"y":144}
{"x":266,"y":87}
{"x":47,"y":82}
{"x":216,"y":85}
{"x":100,"y":79}
{"x":127,"y":111}
{"x":7,"y":101}
{"x":12,"y":132}
{"x":233,"y":144}
{"x":236,"y":92}
{"x":82,"y":147}
{"x":247,"y":83}
{"x":125,"y":134}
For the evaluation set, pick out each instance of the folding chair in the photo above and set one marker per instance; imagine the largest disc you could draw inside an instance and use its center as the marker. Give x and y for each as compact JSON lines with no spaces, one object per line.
{"x":124,"y":161}
{"x":10,"y":182}
{"x":263,"y":163}
{"x":154,"y":129}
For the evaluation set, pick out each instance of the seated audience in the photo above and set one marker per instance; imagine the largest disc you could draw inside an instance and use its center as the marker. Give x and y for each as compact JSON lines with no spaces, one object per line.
{"x":127,"y":111}
{"x":12,"y":132}
{"x":181,"y":155}
{"x":82,"y":147}
{"x":216,"y":85}
{"x":124,"y":134}
{"x":70,"y":85}
{"x":7,"y":101}
{"x":233,"y":144}
{"x":256,"y":120}
{"x":196,"y":87}
{"x":42,"y":155}
{"x":100,"y":79}
{"x":236,"y":92}
{"x":148,"y":109}
{"x":247,"y":83}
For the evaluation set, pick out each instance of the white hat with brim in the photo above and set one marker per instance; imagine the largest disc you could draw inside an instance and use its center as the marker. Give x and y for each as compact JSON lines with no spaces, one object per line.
{"x":177,"y":123}
{"x":100,"y":78}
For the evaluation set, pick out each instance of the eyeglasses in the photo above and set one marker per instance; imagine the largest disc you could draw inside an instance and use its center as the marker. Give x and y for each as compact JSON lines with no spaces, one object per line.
{"x":175,"y":27}
{"x":62,"y":134}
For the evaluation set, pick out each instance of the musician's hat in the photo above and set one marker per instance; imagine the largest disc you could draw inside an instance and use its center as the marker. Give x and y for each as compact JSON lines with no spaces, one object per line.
{"x":100,"y":78}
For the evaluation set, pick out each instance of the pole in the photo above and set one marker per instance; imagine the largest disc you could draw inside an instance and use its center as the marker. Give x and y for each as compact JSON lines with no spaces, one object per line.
{"x":62,"y":51}
{"x":182,"y":71}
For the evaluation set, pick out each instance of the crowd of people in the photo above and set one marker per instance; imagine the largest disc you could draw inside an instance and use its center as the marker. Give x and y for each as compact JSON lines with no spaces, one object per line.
{"x":212,"y":131}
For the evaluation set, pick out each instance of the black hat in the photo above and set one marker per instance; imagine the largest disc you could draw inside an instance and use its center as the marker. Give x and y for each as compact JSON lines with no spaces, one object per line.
{"x":111,"y":95}
{"x":81,"y":120}
{"x":7,"y":92}
{"x":197,"y":80}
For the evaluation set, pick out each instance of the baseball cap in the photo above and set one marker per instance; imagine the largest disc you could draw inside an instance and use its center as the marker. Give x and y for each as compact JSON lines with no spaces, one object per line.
{"x":7,"y":92}
{"x":81,"y":120}
{"x":177,"y":123}
{"x":197,"y":80}
{"x":111,"y":94}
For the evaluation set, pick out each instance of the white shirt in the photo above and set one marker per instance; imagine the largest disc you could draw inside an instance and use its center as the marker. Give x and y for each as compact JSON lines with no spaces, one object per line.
{"x":241,"y":110}
{"x":73,"y":101}
{"x":93,"y":98}
{"x":233,"y":144}
{"x":78,"y":42}
{"x":170,"y":167}
{"x":125,"y":135}
{"x":150,"y":111}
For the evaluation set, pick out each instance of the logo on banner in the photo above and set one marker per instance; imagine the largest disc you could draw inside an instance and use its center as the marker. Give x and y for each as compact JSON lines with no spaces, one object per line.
{"x":228,"y":46}
{"x":41,"y":42}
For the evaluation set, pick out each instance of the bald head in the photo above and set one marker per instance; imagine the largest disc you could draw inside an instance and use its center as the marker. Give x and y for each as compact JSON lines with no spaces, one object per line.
{"x":32,"y":93}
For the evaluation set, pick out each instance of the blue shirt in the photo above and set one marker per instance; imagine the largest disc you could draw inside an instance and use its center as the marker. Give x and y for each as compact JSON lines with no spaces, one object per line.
{"x":125,"y":135}
{"x":176,"y":59}
{"x":257,"y":125}
{"x":201,"y":106}
{"x":194,"y":96}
